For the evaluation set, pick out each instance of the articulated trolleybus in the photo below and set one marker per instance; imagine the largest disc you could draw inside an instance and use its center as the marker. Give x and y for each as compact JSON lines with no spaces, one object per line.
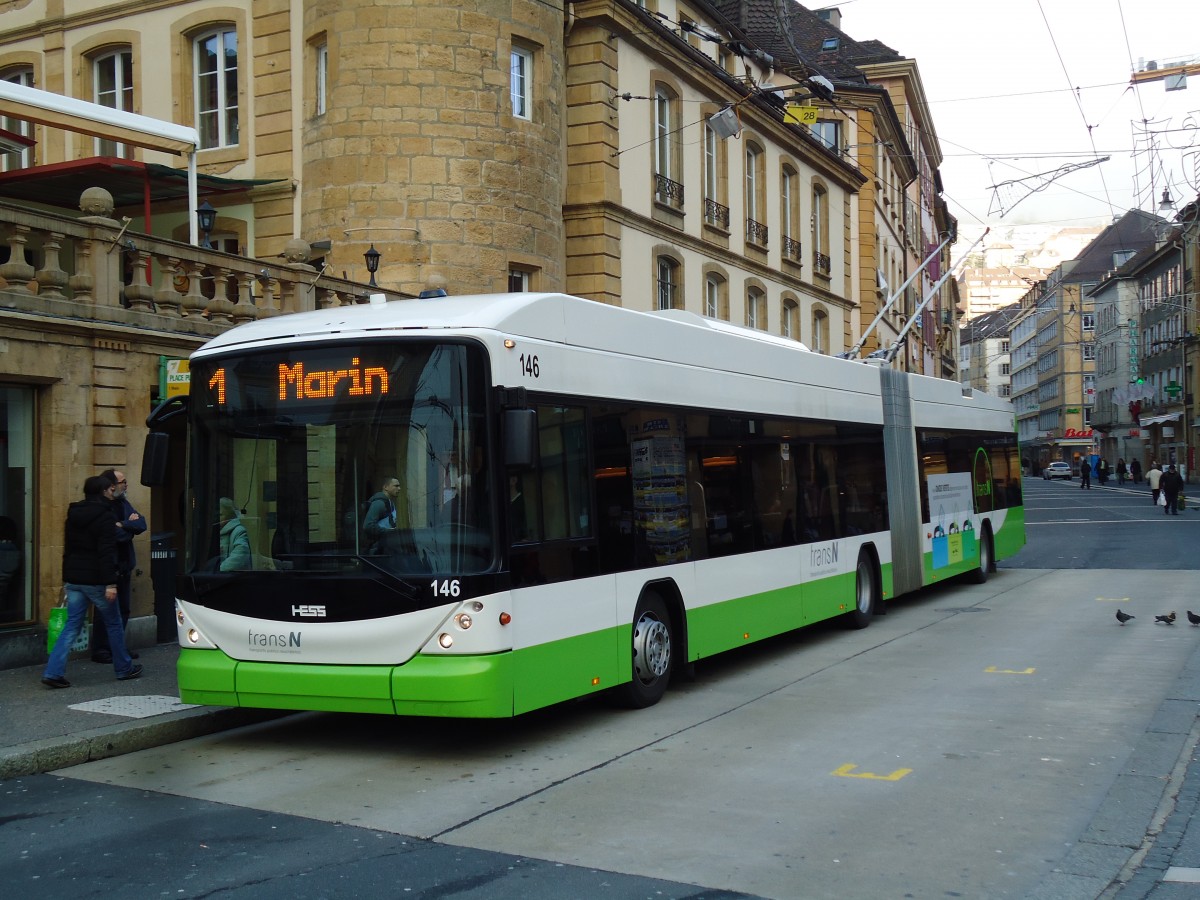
{"x":481,"y":506}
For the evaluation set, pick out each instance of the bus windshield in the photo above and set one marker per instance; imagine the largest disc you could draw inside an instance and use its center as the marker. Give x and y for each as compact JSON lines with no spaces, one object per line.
{"x":364,"y":459}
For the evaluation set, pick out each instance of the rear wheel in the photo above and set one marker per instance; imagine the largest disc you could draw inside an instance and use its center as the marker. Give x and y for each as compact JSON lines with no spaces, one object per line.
{"x":652,"y":654}
{"x":987,"y":558}
{"x":866,"y":592}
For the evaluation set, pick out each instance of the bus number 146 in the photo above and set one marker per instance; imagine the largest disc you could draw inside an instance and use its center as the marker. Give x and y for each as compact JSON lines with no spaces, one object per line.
{"x":446,"y":588}
{"x":529,"y":366}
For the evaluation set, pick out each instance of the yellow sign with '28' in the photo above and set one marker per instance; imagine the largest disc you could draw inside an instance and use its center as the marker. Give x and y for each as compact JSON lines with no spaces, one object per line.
{"x":801,"y":115}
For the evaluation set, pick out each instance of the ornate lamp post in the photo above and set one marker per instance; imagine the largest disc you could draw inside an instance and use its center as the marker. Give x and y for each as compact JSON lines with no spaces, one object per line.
{"x":206,"y":217}
{"x":372,"y":257}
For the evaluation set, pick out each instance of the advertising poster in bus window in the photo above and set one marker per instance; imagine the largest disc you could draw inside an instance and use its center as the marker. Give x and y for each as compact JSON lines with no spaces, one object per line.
{"x":951,"y":505}
{"x":660,"y":497}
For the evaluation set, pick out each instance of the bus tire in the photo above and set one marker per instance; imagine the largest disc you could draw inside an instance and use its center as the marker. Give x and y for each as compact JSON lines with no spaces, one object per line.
{"x":652,"y":658}
{"x":987,"y":557}
{"x":866,"y":592}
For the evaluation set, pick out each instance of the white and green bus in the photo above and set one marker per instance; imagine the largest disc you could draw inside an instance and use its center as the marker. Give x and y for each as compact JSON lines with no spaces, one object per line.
{"x":590,"y":499}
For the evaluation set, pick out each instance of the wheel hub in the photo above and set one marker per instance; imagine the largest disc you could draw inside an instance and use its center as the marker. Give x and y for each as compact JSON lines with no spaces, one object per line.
{"x":651,"y":649}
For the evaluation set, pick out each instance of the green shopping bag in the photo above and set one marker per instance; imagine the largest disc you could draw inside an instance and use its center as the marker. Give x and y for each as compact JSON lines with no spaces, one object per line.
{"x":58,"y":621}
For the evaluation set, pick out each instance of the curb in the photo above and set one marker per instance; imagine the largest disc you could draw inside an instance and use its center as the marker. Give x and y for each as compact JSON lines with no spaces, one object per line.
{"x":48,"y":754}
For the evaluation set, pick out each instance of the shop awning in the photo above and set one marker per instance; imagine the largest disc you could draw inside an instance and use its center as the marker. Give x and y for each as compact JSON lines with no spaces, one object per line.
{"x":131,"y":182}
{"x":1147,"y":421}
{"x":59,"y":111}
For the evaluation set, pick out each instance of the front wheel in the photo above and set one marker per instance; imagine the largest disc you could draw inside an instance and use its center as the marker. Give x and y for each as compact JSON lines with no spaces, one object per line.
{"x":652,"y":654}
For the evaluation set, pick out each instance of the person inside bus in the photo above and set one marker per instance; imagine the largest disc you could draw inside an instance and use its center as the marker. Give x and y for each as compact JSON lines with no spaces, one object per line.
{"x":381,"y":514}
{"x":235,"y":541}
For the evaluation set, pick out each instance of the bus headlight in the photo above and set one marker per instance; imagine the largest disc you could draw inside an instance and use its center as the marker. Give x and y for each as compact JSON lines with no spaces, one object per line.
{"x":445,"y":641}
{"x":179,"y":616}
{"x":463,"y":621}
{"x":193,"y":636}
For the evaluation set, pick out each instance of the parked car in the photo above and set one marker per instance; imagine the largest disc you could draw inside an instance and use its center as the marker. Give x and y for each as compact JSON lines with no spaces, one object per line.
{"x":1057,"y":470}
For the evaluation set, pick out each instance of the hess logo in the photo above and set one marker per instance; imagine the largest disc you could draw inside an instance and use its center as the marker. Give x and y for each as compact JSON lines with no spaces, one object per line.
{"x":311,"y":612}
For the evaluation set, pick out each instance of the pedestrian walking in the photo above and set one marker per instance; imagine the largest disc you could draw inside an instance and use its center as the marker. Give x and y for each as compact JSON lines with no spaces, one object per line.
{"x":129,"y":524}
{"x":1121,"y":470}
{"x":89,"y":570}
{"x":1085,"y":473}
{"x":1171,"y":484}
{"x":1102,"y":470}
{"x":1152,"y":479}
{"x":1135,"y":471}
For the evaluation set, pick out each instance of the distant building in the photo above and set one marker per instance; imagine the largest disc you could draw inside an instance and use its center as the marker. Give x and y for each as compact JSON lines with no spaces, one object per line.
{"x":984,"y":359}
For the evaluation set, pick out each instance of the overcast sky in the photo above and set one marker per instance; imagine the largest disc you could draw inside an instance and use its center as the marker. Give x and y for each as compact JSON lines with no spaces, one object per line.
{"x":1000,"y":77}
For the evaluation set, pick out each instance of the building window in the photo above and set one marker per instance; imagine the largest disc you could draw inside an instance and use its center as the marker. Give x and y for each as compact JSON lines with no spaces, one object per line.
{"x":820,"y":332}
{"x":826,"y":132}
{"x":820,"y":230}
{"x":1005,"y":369}
{"x":756,"y":308}
{"x":789,"y":214}
{"x":716,"y":211}
{"x":216,"y":67}
{"x":18,"y":501}
{"x":520,"y":281}
{"x":1089,"y":351}
{"x":1089,"y":321}
{"x":667,"y":186}
{"x":17,"y":159}
{"x":716,"y":298}
{"x":322,"y":75}
{"x":789,"y":322}
{"x":756,"y":230}
{"x":521,"y":82}
{"x":668,"y":283}
{"x":113,"y":79}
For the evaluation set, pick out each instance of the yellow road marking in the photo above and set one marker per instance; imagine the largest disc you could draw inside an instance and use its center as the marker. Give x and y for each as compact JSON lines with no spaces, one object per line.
{"x":994,"y":671}
{"x":847,"y":771}
{"x":1114,"y":599}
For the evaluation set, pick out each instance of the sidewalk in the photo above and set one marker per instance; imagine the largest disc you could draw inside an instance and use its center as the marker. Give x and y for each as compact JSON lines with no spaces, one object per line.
{"x":43,"y":729}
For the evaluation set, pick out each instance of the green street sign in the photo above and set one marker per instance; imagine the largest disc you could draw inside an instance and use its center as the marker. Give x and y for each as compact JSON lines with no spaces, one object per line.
{"x":1173,"y":389}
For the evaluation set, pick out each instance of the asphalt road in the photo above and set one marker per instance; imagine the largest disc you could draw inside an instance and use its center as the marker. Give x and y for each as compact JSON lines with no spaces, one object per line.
{"x":957,"y":747}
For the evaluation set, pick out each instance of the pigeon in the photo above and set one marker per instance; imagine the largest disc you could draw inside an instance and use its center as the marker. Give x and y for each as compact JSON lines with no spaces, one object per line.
{"x":1166,"y":620}
{"x":1125,"y":617}
{"x":1193,"y":618}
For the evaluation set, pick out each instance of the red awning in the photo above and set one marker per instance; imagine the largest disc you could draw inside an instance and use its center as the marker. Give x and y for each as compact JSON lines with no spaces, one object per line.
{"x":132,"y":183}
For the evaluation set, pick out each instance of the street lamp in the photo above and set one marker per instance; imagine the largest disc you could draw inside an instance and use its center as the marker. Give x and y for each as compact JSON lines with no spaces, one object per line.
{"x":206,"y":217}
{"x":372,"y":258}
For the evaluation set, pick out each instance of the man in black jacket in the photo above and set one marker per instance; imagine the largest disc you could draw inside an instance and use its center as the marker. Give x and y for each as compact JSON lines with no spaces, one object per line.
{"x":1171,"y":484}
{"x":90,"y":577}
{"x":129,"y":524}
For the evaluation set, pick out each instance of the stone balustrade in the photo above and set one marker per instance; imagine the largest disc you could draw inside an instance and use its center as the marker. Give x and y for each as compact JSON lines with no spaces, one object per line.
{"x":93,"y":267}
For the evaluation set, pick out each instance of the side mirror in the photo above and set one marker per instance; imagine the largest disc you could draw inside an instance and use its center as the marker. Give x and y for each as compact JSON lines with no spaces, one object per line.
{"x":154,"y":459}
{"x":520,"y":438}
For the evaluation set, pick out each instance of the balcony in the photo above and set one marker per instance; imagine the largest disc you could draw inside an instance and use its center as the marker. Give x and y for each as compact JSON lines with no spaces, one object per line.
{"x":716,"y":215}
{"x":756,"y":233}
{"x":792,"y":251}
{"x":91,"y":268}
{"x":668,"y":192}
{"x":821,"y":263}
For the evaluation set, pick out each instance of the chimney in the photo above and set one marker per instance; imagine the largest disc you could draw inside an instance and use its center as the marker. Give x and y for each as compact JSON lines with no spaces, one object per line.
{"x":832,"y":15}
